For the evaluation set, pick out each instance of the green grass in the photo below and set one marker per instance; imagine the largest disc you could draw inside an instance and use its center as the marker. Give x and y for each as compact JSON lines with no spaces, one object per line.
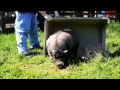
{"x":14,"y":66}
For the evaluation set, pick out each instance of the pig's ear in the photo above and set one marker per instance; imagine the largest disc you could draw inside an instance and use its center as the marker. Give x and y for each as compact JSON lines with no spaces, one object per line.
{"x":65,"y":51}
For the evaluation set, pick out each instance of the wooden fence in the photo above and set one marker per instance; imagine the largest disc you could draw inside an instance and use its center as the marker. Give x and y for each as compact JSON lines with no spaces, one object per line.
{"x":7,"y":19}
{"x":113,"y":15}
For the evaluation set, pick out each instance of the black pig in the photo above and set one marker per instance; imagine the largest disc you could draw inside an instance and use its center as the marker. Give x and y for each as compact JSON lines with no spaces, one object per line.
{"x":60,"y":46}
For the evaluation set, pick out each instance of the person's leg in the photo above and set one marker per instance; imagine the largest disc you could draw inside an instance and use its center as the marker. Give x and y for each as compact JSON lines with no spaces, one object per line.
{"x":21,"y":38}
{"x":33,"y":35}
{"x":22,"y":27}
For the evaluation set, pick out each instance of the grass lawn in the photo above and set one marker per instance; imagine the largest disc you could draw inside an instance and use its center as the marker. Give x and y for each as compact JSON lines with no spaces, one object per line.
{"x":14,"y":66}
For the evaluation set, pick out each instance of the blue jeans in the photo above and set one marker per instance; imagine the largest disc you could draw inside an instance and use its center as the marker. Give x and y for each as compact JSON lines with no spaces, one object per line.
{"x":26,"y":26}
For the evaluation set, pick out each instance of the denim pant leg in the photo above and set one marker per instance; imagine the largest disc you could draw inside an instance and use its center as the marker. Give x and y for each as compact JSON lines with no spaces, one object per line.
{"x":22,"y":28}
{"x":33,"y":35}
{"x":21,"y":38}
{"x":23,"y":22}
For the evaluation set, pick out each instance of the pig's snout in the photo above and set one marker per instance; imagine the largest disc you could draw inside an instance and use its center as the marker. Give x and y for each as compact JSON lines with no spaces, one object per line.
{"x":60,"y":64}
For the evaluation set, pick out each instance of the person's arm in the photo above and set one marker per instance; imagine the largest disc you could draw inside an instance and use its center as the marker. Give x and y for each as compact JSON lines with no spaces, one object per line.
{"x":45,"y":15}
{"x":42,"y":13}
{"x":56,"y":14}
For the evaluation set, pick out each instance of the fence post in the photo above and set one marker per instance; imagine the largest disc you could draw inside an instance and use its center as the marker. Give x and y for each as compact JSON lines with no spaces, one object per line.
{"x":118,"y":15}
{"x":3,"y":21}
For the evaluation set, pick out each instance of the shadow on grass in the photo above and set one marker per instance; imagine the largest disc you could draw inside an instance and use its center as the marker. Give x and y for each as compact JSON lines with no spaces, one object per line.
{"x":72,"y":61}
{"x":31,"y":54}
{"x":115,"y":54}
{"x":35,"y":53}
